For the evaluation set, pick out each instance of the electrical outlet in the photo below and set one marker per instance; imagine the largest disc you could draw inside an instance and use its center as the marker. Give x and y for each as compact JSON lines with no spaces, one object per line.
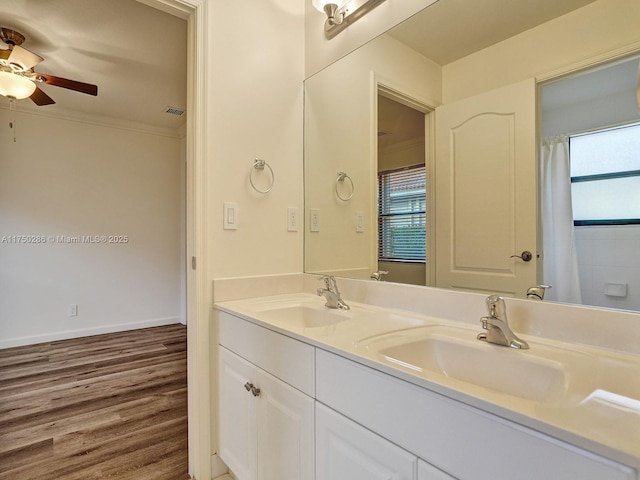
{"x":292,"y":219}
{"x":72,"y":310}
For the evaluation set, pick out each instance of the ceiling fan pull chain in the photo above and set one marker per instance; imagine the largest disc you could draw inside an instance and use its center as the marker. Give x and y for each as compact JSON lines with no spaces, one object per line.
{"x":12,"y":119}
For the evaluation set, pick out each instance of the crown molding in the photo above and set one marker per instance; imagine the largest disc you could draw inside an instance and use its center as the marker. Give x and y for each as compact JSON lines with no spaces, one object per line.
{"x":98,"y":120}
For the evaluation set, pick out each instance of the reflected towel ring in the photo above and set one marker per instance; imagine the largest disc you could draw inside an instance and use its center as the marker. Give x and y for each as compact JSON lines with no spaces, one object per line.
{"x":341,"y":178}
{"x":259,"y":164}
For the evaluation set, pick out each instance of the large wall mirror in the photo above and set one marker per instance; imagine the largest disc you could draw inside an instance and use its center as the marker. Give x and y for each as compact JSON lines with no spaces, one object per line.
{"x":432,"y":152}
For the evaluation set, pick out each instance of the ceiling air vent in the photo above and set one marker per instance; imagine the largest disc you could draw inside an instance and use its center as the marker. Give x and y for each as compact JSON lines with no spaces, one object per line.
{"x":174,"y":111}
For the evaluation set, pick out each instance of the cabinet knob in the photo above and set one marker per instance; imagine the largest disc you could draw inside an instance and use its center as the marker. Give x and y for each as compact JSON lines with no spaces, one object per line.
{"x":255,"y":391}
{"x":248,"y":386}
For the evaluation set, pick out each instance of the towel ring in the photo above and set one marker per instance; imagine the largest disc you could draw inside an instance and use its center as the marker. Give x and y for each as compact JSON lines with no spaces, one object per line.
{"x":341,"y":178}
{"x":259,"y":164}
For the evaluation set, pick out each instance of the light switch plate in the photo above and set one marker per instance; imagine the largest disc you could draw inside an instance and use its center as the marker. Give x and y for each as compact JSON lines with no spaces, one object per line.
{"x":230,"y":219}
{"x":314,"y":219}
{"x":359,"y":222}
{"x":292,"y":219}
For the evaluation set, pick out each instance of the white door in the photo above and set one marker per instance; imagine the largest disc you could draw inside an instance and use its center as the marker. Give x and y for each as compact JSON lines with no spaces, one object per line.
{"x":347,"y":451}
{"x":237,"y":422}
{"x":485,"y":191}
{"x":285,"y":431}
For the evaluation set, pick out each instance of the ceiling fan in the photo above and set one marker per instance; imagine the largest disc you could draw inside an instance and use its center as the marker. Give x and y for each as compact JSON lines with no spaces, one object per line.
{"x":18,"y":79}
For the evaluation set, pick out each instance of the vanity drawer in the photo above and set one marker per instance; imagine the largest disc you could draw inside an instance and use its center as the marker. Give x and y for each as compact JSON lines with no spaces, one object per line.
{"x":463,"y":441}
{"x":285,"y":358}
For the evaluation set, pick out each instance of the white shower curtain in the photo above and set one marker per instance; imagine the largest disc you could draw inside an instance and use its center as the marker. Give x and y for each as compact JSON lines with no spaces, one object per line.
{"x":559,"y":261}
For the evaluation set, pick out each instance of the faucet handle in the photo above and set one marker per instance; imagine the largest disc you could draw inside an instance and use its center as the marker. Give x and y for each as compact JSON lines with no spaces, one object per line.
{"x":496,"y":307}
{"x":327,"y":281}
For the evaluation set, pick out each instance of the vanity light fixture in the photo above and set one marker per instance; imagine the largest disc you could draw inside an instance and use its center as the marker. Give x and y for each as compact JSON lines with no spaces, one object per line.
{"x":342,"y":13}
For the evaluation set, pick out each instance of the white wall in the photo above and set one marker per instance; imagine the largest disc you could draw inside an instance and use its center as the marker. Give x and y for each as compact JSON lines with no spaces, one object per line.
{"x":67,"y":178}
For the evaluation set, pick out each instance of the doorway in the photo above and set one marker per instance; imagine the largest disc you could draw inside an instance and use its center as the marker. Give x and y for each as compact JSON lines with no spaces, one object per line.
{"x":402,"y":193}
{"x":594,"y":116}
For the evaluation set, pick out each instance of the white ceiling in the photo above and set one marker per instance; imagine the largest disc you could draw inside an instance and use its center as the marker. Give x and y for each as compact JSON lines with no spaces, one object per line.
{"x":134,"y":53}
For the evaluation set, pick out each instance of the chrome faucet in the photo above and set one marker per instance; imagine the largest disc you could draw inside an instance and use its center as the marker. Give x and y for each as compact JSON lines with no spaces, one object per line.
{"x":331,"y":293}
{"x":537,"y":292}
{"x":377,"y":275}
{"x":497,"y":327}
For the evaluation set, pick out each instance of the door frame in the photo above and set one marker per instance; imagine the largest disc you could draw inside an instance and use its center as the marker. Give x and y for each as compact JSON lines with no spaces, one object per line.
{"x":381,"y":85}
{"x":198,"y":294}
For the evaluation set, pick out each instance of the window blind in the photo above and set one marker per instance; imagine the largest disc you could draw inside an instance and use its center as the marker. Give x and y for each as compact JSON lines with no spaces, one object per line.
{"x":402,"y":214}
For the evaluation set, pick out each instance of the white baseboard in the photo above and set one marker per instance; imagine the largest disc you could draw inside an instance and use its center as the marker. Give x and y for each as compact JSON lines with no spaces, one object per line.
{"x":86,"y":332}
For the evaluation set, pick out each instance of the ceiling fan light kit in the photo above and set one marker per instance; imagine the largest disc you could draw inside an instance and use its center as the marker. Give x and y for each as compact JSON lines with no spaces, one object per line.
{"x":18,"y":77}
{"x":15,"y":86}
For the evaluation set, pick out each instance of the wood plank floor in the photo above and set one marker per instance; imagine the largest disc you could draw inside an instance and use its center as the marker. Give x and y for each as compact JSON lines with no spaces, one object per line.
{"x":108,"y":406}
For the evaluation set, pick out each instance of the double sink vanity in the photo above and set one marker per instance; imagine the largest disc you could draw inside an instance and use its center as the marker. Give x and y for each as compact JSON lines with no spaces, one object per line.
{"x":374,"y":392}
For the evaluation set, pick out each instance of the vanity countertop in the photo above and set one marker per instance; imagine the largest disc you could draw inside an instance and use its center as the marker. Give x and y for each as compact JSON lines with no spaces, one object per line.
{"x":603,"y":419}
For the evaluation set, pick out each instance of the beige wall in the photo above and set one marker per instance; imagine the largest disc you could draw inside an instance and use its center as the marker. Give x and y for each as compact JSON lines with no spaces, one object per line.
{"x":340,"y":103}
{"x":321,"y":51}
{"x":256,"y":53}
{"x":67,"y":178}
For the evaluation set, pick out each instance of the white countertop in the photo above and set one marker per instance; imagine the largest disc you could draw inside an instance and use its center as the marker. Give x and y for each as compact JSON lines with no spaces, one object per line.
{"x":605,"y":421}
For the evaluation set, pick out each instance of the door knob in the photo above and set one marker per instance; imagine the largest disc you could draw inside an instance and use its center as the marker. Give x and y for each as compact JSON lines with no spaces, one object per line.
{"x":525,"y":256}
{"x":248,"y":386}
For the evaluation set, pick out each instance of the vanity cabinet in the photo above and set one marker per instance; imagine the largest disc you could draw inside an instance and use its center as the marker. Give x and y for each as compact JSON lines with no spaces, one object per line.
{"x":266,"y":425}
{"x":463,"y":441}
{"x":347,"y":451}
{"x":291,"y":411}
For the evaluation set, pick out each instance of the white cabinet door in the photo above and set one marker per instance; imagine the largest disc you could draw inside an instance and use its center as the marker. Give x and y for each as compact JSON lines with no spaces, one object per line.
{"x":347,"y":451}
{"x":237,"y":422}
{"x":429,"y":472}
{"x":285,"y":431}
{"x":266,"y":426}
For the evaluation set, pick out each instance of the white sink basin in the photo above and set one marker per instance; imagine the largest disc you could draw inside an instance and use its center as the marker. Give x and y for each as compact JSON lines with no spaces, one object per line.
{"x":303,"y":316}
{"x":542,"y":374}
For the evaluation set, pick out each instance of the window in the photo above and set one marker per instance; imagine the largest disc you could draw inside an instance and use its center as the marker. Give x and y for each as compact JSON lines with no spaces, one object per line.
{"x":605,"y":177}
{"x":402,"y":215}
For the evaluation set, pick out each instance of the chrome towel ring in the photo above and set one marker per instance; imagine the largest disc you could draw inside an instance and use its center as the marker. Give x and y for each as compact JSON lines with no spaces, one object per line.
{"x":342,"y":176}
{"x":259,"y":164}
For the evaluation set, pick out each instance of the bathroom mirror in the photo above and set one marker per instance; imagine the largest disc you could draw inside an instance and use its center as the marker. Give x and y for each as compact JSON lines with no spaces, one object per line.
{"x":474,"y":230}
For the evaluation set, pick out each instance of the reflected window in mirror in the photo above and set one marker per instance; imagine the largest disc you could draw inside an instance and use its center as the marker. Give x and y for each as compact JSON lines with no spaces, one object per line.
{"x":402,"y":215}
{"x":605,"y":176}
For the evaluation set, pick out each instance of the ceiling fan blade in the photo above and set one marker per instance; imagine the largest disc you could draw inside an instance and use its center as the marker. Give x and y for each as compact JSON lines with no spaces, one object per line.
{"x":24,"y":58}
{"x":40,"y":98}
{"x":68,"y":84}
